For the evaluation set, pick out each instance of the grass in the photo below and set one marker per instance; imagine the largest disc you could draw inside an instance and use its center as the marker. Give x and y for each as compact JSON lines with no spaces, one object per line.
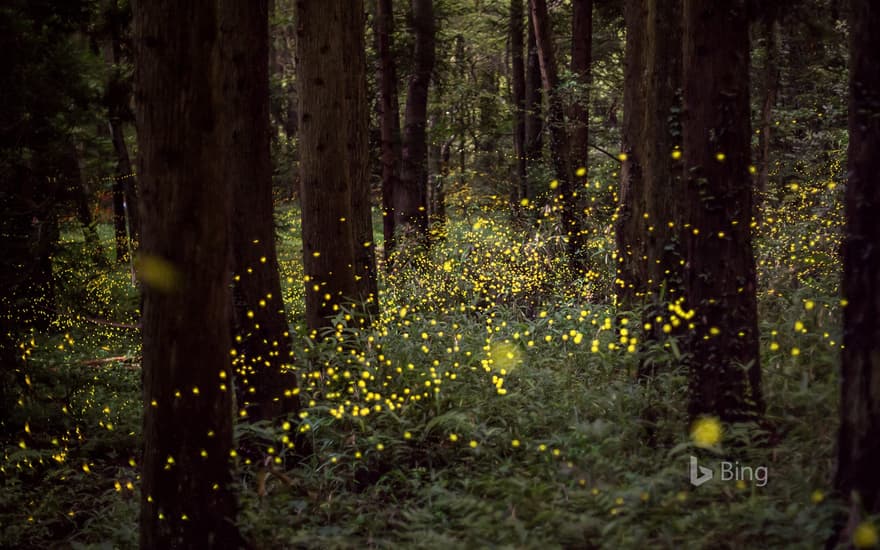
{"x":491,"y":405}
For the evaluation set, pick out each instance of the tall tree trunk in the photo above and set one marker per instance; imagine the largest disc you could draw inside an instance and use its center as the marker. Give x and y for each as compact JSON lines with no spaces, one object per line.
{"x":518,"y":80}
{"x":186,"y":494}
{"x":126,"y":179}
{"x":357,"y":133}
{"x":79,"y":189}
{"x":581,"y":48}
{"x":263,"y":352}
{"x":859,"y":439}
{"x":410,"y":208}
{"x":771,"y":89}
{"x":719,"y":276}
{"x":326,"y":194}
{"x":120,"y":229}
{"x":534,"y":121}
{"x":648,"y":258}
{"x":389,"y":119}
{"x":559,"y":143}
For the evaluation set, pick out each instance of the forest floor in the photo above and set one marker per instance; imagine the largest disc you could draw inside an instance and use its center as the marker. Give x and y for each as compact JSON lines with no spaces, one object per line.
{"x":492,"y":404}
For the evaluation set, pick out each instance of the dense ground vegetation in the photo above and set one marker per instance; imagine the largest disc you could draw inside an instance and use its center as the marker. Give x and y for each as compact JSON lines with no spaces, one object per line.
{"x":492,"y":403}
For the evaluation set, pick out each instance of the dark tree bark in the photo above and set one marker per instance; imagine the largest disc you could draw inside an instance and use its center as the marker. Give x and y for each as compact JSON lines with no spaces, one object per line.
{"x":859,"y":439}
{"x":771,"y":89}
{"x":518,"y":81}
{"x":79,"y":189}
{"x":534,"y":122}
{"x":410,"y":205}
{"x":186,"y":496}
{"x":120,"y":229}
{"x":118,"y":101}
{"x":719,"y":276}
{"x":326,"y":193}
{"x":559,"y":142}
{"x":581,"y":56}
{"x":389,"y":119}
{"x":263,"y":352}
{"x":367,"y":294}
{"x":648,"y":258}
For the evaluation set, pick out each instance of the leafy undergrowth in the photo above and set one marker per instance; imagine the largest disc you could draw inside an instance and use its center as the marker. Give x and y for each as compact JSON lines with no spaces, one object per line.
{"x":490,"y":405}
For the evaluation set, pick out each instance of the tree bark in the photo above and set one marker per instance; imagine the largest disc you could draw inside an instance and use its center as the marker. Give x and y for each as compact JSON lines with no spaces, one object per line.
{"x":186,"y":501}
{"x":367,"y":295}
{"x":649,"y":271}
{"x":771,"y":89}
{"x":410,"y":207}
{"x":858,"y":453}
{"x":719,"y":275}
{"x":581,"y":48}
{"x":263,"y":348}
{"x":518,"y":81}
{"x":326,"y":194}
{"x":534,"y":122}
{"x":389,"y":119}
{"x":559,"y":142}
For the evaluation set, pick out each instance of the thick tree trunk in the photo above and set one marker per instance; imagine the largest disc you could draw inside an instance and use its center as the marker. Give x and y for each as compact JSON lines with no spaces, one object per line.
{"x":410,"y":208}
{"x":858,"y":455}
{"x":263,"y":352}
{"x":357,"y":133}
{"x":534,"y":121}
{"x":186,"y":493}
{"x":559,"y":142}
{"x":389,"y":119}
{"x":581,"y":48}
{"x":326,"y":195}
{"x":518,"y":81}
{"x":648,"y":257}
{"x":719,"y":276}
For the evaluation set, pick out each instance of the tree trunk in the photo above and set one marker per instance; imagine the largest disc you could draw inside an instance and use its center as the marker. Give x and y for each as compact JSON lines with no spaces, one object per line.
{"x":518,"y":80}
{"x":79,"y":189}
{"x":719,"y":276}
{"x":389,"y":120}
{"x":859,"y":439}
{"x":367,"y":294}
{"x":534,"y":122}
{"x":125,"y":174}
{"x":186,"y":494}
{"x":648,"y":257}
{"x":581,"y":47}
{"x":326,"y":194}
{"x":263,"y":352}
{"x":410,"y":208}
{"x":120,"y":230}
{"x":771,"y":89}
{"x":559,"y":143}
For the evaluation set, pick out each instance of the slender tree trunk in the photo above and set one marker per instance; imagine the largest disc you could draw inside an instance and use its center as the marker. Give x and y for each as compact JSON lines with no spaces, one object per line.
{"x":581,"y":56}
{"x":534,"y":122}
{"x":648,"y":257}
{"x":518,"y":80}
{"x":771,"y":89}
{"x":357,"y":133}
{"x":389,"y":120}
{"x":79,"y":189}
{"x":326,"y":194}
{"x":858,"y":455}
{"x":263,"y":350}
{"x":120,"y":230}
{"x":410,"y":208}
{"x":719,"y":276}
{"x":186,"y":493}
{"x":559,"y":142}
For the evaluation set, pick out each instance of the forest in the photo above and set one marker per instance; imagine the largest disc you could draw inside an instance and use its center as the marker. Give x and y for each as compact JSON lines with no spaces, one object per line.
{"x":439,"y":274}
